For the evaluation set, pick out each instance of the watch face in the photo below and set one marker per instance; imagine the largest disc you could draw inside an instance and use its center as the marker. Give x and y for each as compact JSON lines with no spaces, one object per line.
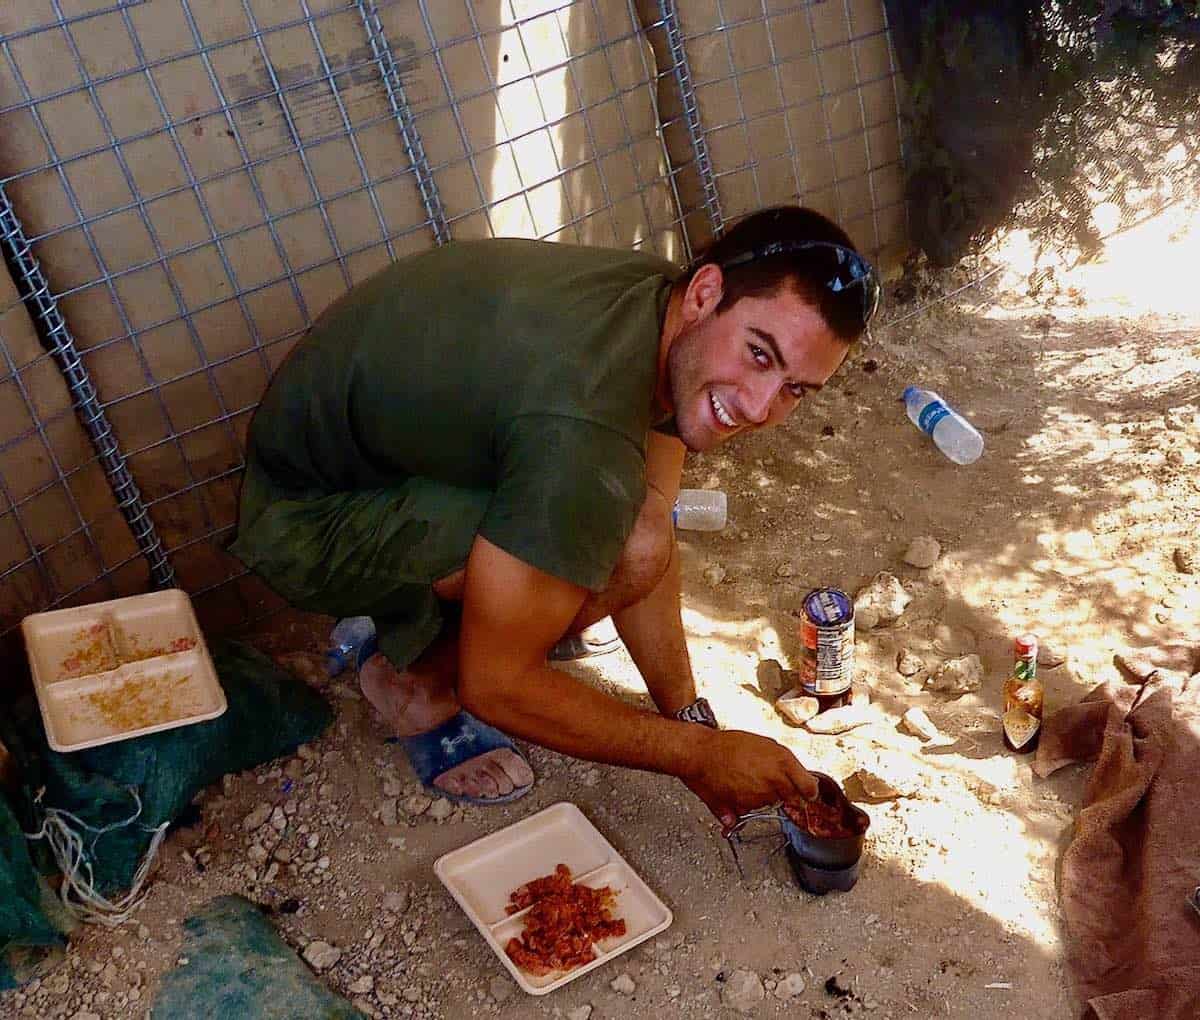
{"x":699,"y":711}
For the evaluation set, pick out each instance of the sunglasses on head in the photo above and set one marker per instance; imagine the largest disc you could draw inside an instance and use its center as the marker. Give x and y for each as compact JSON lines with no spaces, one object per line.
{"x":852,"y":270}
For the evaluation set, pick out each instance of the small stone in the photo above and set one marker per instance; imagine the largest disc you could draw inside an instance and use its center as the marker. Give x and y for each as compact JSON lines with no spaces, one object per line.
{"x":923,"y":552}
{"x":770,"y":676}
{"x":417,"y":804}
{"x":840,"y":720}
{"x":860,"y":694}
{"x":108,"y":975}
{"x":323,"y":863}
{"x":784,"y":569}
{"x":743,"y":991}
{"x":441,"y":809}
{"x":821,"y":536}
{"x":257,"y":853}
{"x":283,"y":855}
{"x":500,"y":988}
{"x":797,"y":707}
{"x":364,"y":1007}
{"x":83,"y":1014}
{"x":312,"y":841}
{"x":387,"y":811}
{"x":790,"y":986}
{"x":279,"y":820}
{"x":591,"y":777}
{"x":889,"y":777}
{"x":143,"y":932}
{"x":583,"y":1012}
{"x":396,"y":901}
{"x":306,"y":752}
{"x":623,"y":984}
{"x":714,"y":574}
{"x":412,"y":993}
{"x":957,"y":676}
{"x":908,"y":663}
{"x":321,"y":955}
{"x":917,"y":722}
{"x":1186,"y":560}
{"x":880,"y":602}
{"x":1050,"y":656}
{"x":256,"y":818}
{"x":272,"y":872}
{"x":392,"y":787}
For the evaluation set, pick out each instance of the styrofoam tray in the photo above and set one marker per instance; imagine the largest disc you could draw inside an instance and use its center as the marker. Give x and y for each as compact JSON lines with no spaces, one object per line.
{"x":481,"y":875}
{"x":120,"y":669}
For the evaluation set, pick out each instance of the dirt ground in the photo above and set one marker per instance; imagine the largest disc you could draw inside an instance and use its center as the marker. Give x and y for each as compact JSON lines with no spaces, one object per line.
{"x":1066,"y":528}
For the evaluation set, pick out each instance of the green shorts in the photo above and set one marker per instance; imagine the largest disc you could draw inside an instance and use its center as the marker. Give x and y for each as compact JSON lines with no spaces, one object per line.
{"x":373,"y":553}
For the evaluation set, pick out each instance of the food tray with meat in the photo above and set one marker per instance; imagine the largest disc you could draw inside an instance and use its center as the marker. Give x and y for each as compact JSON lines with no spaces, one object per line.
{"x":119,"y":669}
{"x":552,"y":897}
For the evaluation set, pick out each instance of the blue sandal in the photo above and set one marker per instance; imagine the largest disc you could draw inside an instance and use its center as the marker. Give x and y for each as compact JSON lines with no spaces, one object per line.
{"x":458,"y":739}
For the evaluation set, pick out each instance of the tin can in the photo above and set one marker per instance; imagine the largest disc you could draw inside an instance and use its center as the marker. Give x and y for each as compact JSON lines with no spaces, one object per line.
{"x":827,"y":637}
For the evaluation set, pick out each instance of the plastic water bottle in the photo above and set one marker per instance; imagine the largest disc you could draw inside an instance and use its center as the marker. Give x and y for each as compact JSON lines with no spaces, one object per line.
{"x":956,"y":437}
{"x":351,"y":643}
{"x":700,"y":510}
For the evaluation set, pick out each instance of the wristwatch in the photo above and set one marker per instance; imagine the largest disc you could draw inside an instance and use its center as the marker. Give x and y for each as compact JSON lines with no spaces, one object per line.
{"x":699,"y":711}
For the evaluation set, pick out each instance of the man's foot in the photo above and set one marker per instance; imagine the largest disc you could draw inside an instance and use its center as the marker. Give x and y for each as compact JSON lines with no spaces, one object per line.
{"x":418,"y":701}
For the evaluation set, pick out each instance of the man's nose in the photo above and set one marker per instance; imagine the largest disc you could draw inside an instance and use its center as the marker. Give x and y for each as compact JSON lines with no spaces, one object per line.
{"x":759,"y":400}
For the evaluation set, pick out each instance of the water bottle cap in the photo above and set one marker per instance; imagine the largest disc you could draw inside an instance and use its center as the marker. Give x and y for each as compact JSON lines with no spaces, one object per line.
{"x":908,"y":391}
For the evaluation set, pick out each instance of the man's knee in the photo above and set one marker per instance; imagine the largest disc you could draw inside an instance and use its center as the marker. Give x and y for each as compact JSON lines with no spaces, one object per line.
{"x":647,"y":552}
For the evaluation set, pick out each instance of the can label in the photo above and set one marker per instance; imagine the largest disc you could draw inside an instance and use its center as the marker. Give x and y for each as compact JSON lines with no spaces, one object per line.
{"x":827,"y":636}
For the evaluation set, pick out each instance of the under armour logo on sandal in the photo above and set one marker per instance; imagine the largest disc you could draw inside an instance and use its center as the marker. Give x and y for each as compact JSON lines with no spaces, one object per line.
{"x":450,"y":744}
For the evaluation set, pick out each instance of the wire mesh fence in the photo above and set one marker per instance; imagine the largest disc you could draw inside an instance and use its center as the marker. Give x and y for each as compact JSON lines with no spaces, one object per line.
{"x":197,"y":181}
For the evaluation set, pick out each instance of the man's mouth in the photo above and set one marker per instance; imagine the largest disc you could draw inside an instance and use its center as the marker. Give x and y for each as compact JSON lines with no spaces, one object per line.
{"x":719,"y":412}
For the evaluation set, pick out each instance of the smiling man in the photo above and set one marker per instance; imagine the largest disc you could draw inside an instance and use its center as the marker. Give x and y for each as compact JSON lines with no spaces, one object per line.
{"x":480,"y":447}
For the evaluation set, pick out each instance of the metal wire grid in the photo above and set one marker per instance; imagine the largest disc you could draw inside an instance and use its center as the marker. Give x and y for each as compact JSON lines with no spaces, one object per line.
{"x":769,"y":79}
{"x":567,"y":146}
{"x":194,"y":480}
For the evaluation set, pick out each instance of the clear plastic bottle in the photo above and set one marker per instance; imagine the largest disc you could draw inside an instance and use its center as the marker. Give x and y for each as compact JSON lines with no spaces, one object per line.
{"x":351,"y":643}
{"x":956,"y":437}
{"x":700,"y":510}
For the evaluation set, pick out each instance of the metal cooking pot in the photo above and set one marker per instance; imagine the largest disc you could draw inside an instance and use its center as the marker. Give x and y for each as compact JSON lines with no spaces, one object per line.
{"x":821,"y":863}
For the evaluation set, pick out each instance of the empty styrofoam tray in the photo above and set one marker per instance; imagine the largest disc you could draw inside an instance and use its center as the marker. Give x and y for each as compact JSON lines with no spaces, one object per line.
{"x":120,"y":669}
{"x":481,"y":875}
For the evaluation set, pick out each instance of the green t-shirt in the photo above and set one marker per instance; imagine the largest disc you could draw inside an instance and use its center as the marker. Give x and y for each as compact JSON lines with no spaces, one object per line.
{"x":520,"y":367}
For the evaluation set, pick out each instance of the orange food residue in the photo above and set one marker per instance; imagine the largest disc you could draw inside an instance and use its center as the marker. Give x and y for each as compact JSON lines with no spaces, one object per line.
{"x":98,"y":649}
{"x":145,"y":699}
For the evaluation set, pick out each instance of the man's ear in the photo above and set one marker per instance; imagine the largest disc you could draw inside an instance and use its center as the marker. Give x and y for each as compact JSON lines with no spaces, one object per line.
{"x":704,"y":292}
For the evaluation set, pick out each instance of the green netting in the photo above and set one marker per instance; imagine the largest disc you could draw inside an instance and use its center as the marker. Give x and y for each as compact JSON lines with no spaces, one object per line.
{"x":117,"y":799}
{"x":23,"y":922}
{"x":240,"y":969}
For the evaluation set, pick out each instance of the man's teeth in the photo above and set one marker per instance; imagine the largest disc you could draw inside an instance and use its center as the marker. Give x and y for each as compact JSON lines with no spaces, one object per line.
{"x":723,"y":416}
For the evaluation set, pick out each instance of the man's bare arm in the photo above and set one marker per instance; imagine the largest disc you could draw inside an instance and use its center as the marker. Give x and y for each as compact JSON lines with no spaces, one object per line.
{"x":512,"y":614}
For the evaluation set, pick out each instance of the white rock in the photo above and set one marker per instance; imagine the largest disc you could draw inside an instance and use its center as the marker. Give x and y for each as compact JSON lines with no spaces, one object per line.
{"x":257,"y":853}
{"x":918,"y":723}
{"x":583,"y":1012}
{"x":361,"y":986}
{"x":256,"y":818}
{"x":908,"y":663}
{"x":840,"y":720}
{"x":790,"y":986}
{"x":860,"y":694}
{"x":714,"y":574}
{"x":387,"y":811}
{"x":887,"y":778}
{"x":797,"y":707}
{"x":500,"y":988}
{"x":279,"y":820}
{"x":417,"y":804}
{"x":623,"y":984}
{"x":1050,"y":656}
{"x":784,"y":569}
{"x":396,"y":901}
{"x":441,"y":809}
{"x":743,"y":990}
{"x":321,"y":955}
{"x":880,"y":602}
{"x":957,"y":676}
{"x":923,"y":552}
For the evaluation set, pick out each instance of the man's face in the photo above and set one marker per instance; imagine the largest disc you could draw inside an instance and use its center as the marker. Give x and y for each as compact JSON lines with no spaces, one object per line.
{"x":748,"y":367}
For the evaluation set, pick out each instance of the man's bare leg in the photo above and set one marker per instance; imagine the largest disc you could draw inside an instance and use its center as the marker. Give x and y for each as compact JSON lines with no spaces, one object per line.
{"x":422,"y":697}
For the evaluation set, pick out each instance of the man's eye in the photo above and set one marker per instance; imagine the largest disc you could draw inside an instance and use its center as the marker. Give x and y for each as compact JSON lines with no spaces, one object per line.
{"x":761,"y":356}
{"x":797,"y":391}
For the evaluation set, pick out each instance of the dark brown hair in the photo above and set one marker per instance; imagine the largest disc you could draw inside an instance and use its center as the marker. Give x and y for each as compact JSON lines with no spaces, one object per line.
{"x":806,"y":272}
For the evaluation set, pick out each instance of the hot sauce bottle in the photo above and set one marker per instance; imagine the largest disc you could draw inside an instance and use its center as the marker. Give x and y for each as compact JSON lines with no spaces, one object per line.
{"x":1024,"y":697}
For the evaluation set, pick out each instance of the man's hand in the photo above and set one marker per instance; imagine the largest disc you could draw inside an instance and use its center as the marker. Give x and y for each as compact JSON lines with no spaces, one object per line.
{"x":737,"y":772}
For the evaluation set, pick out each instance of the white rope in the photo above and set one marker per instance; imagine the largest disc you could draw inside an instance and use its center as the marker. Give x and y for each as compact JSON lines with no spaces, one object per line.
{"x":64,"y":833}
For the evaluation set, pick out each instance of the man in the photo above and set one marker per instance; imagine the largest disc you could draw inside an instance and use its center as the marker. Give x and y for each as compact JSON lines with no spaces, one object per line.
{"x":480,"y":447}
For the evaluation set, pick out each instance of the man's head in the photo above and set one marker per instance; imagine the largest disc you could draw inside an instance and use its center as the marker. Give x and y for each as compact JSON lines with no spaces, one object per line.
{"x":763,"y":317}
